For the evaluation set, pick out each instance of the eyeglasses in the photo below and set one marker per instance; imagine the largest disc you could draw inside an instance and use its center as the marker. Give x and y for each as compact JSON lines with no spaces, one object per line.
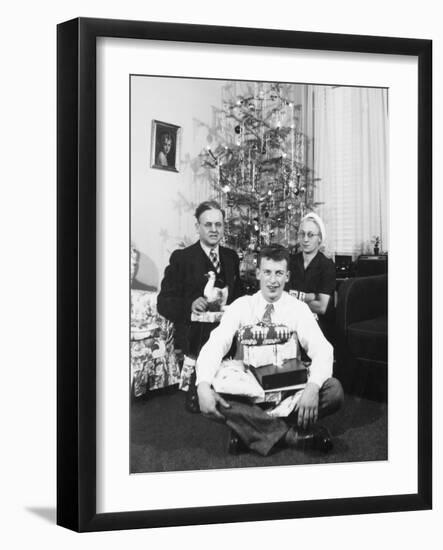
{"x":309,"y":234}
{"x":209,"y":225}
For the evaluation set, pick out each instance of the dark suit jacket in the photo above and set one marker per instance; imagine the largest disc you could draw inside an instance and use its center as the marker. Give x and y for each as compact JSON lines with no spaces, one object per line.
{"x":184,"y":281}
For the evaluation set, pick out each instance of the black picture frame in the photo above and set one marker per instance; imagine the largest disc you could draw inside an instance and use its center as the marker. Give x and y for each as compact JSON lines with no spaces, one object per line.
{"x":164,"y":131}
{"x":76,"y":281}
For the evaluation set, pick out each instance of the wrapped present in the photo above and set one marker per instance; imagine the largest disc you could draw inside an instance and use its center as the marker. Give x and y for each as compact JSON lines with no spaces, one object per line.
{"x":263,"y":334}
{"x":234,"y":379}
{"x":207,"y":317}
{"x":275,"y":354}
{"x":292,"y":372}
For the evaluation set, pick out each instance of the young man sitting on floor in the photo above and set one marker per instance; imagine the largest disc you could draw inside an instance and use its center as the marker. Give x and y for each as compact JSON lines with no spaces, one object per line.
{"x":322,"y":394}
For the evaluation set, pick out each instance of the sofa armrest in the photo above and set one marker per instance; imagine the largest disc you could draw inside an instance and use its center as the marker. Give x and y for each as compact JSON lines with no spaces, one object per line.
{"x":361,"y":298}
{"x":145,"y":319}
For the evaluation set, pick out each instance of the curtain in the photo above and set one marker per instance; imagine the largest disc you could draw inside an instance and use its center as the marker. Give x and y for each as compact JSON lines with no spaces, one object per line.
{"x":350,"y":159}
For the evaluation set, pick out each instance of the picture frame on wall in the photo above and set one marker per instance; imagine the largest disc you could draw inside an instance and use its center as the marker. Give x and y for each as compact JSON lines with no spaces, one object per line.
{"x":164,"y":145}
{"x":97,"y":143}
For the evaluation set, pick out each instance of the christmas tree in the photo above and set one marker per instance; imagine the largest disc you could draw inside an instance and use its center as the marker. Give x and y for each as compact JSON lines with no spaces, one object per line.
{"x":256,"y":165}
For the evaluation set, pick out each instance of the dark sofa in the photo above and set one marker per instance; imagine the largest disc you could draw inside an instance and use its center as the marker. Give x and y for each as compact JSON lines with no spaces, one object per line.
{"x":362,"y":335}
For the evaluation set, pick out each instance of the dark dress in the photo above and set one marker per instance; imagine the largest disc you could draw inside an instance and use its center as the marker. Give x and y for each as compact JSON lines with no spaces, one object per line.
{"x":184,"y":281}
{"x":319,"y":278}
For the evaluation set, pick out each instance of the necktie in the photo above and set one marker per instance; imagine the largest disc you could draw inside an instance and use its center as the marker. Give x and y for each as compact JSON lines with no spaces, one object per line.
{"x":214,"y":259}
{"x":267,"y":314}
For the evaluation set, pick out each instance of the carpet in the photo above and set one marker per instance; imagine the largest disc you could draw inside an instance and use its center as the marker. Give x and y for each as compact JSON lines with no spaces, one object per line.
{"x":165,"y":437}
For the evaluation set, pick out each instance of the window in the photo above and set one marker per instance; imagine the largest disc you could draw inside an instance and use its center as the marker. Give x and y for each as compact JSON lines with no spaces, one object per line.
{"x":350,"y":156}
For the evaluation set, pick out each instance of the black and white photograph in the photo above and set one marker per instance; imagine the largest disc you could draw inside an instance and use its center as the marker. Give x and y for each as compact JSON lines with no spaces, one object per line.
{"x":222,"y":254}
{"x":259,"y":305}
{"x":164,"y":145}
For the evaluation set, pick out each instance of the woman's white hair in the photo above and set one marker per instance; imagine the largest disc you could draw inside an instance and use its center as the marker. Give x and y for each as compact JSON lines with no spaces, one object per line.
{"x":311,"y":216}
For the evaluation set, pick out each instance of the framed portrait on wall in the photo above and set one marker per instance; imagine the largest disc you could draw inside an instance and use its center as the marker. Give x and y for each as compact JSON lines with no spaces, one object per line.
{"x":129,"y":456}
{"x":164,"y":146}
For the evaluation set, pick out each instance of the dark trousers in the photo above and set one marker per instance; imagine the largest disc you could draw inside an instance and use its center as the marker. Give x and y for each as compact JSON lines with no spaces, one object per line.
{"x":259,"y":431}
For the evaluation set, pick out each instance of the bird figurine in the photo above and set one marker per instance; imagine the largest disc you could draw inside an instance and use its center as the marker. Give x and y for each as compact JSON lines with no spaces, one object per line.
{"x":216,"y":297}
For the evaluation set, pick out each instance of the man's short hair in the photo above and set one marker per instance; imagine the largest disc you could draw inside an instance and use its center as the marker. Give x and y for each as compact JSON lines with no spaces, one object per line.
{"x":208,"y":205}
{"x":276,"y":252}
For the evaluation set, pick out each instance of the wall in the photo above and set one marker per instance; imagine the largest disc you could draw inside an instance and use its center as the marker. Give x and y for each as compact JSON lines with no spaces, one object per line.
{"x":162,"y":201}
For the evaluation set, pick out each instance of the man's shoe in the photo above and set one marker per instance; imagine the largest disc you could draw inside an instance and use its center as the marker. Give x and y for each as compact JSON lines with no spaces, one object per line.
{"x":317,"y":438}
{"x":191,"y":400}
{"x":236,"y":445}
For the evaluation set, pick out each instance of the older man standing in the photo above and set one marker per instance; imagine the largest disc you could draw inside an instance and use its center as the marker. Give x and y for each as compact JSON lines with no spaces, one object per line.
{"x":322,"y":394}
{"x":182,"y":288}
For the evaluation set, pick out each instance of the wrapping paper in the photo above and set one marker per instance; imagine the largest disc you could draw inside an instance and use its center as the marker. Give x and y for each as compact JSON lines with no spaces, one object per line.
{"x":285,"y":407}
{"x":207,"y":317}
{"x":258,"y":356}
{"x":234,"y":379}
{"x":262,"y":334}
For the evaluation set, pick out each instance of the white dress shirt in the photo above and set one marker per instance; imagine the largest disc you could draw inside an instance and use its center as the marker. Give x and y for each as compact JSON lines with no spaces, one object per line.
{"x":249,"y":310}
{"x":207,"y":250}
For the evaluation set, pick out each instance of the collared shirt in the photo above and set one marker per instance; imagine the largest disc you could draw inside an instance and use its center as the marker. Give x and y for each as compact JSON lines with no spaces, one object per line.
{"x":207,"y":250}
{"x":248,"y":310}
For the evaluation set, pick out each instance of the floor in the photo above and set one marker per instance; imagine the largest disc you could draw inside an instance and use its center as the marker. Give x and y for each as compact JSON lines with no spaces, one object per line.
{"x":165,"y":437}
